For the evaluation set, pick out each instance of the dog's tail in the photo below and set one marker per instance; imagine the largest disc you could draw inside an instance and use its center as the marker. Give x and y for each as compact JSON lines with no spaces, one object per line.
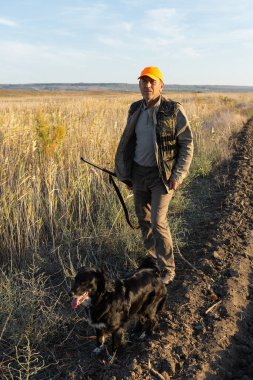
{"x":149,"y":262}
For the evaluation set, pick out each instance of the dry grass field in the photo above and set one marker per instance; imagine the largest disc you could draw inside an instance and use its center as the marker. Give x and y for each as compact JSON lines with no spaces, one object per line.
{"x":58,"y":213}
{"x":50,"y":199}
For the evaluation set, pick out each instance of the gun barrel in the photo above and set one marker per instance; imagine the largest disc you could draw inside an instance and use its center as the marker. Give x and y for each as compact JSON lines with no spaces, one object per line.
{"x":99,"y":167}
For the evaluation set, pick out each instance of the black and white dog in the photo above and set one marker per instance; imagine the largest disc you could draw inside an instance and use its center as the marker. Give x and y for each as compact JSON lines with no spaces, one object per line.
{"x":112,"y":304}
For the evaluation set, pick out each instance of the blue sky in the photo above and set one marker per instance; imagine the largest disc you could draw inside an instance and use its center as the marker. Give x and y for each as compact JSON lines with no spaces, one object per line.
{"x":191,"y":41}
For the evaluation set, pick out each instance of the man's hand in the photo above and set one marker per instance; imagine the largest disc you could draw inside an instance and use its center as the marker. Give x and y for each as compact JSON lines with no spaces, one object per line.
{"x":173,"y":185}
{"x":129,"y":184}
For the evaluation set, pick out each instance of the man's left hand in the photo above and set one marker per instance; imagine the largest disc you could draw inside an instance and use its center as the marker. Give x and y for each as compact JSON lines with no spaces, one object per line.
{"x":173,"y":185}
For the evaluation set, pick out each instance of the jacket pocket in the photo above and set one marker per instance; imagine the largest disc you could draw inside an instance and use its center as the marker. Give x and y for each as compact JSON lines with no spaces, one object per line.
{"x":168,"y":166}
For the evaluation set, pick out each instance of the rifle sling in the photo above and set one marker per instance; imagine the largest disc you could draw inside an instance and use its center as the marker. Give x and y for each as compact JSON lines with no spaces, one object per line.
{"x":111,"y":180}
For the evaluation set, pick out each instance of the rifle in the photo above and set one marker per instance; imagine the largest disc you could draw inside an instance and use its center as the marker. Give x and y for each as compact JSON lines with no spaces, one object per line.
{"x":99,"y":167}
{"x":111,"y":180}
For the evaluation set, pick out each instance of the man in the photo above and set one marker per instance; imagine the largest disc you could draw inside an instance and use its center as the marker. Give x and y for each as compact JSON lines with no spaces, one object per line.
{"x":154,"y":156}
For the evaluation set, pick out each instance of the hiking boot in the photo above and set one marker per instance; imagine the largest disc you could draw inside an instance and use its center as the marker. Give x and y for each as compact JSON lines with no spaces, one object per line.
{"x":167,"y":276}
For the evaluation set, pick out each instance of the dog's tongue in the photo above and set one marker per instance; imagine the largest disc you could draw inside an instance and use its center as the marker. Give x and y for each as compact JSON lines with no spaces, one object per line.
{"x":74,"y":303}
{"x":78,"y":300}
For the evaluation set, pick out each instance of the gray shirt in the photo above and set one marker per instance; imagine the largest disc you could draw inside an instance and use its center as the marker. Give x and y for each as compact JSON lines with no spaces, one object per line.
{"x":145,"y":151}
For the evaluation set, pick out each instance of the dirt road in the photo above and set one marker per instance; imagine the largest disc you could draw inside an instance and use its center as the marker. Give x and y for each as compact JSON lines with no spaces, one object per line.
{"x":207,"y":329}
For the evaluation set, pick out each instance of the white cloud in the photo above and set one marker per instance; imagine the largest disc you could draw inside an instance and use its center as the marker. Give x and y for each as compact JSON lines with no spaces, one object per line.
{"x":228,"y":39}
{"x":245,"y":34}
{"x":163,"y":22}
{"x":158,"y":43}
{"x":8,"y":22}
{"x":231,"y":7}
{"x":91,"y":16}
{"x":99,"y":18}
{"x":248,"y":45}
{"x":118,"y":29}
{"x":24,"y":53}
{"x":23,"y":62}
{"x":29,"y":63}
{"x":89,"y":10}
{"x":64,"y":33}
{"x":161,"y":13}
{"x":110,"y":41}
{"x":190,"y":52}
{"x":160,"y":19}
{"x":127,"y":26}
{"x":134,"y":3}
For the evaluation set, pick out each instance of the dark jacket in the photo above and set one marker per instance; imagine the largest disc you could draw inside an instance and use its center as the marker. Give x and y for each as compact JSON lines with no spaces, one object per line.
{"x":173,"y":141}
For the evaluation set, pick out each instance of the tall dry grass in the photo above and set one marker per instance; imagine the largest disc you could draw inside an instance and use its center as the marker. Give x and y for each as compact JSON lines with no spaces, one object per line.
{"x":50,"y":199}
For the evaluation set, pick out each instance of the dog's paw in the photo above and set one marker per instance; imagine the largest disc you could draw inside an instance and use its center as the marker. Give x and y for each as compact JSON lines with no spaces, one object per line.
{"x":142,"y":336}
{"x":98,"y":350}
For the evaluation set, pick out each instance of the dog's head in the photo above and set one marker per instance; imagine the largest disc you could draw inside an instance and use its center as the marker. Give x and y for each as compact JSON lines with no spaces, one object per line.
{"x":89,"y":283}
{"x":149,"y":263}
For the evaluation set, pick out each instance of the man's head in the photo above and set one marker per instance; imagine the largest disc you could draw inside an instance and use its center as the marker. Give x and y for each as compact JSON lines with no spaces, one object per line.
{"x":151,"y":84}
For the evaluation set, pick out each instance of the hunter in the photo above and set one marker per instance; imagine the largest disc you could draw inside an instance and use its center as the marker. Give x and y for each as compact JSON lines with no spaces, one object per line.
{"x":153,"y":157}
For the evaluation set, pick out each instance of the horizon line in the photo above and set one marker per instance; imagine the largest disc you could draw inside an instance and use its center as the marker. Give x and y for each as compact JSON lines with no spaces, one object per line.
{"x":117,"y":83}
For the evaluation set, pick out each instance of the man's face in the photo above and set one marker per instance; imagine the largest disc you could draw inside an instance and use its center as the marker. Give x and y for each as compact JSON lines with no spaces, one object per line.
{"x":150,"y":89}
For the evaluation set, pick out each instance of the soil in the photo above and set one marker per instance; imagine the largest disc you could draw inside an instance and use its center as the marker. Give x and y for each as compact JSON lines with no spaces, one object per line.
{"x":206,"y":330}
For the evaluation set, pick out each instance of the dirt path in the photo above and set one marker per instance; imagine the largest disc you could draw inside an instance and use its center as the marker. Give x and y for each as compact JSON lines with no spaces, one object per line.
{"x":221,"y":343}
{"x":207,"y":330}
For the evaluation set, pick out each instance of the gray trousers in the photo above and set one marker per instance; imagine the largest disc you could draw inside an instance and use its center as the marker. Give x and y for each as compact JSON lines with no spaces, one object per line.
{"x":151,"y":206}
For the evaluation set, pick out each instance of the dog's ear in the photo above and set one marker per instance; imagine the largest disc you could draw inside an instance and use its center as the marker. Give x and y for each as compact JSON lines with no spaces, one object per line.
{"x":101,"y":281}
{"x":104,"y":283}
{"x":149,"y":263}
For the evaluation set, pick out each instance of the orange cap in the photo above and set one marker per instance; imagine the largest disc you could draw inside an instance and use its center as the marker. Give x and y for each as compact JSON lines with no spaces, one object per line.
{"x":152,"y":72}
